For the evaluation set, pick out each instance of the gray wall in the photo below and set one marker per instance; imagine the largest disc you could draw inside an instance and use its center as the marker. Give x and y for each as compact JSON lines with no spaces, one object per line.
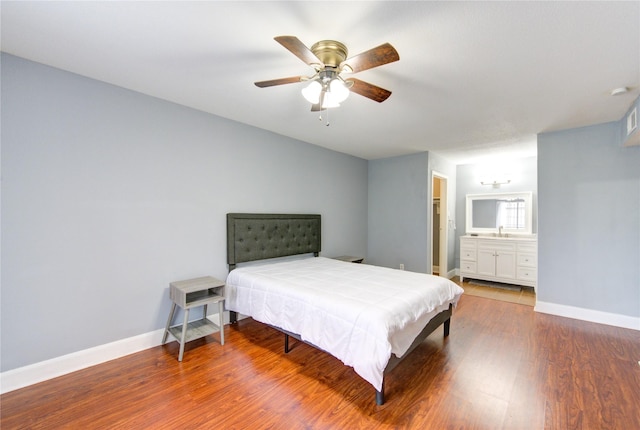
{"x":589,"y":220}
{"x":108,"y":195}
{"x":398,"y":212}
{"x":524,"y":176}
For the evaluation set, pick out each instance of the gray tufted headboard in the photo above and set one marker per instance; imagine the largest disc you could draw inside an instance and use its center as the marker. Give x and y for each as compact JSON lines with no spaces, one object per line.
{"x":260,"y":236}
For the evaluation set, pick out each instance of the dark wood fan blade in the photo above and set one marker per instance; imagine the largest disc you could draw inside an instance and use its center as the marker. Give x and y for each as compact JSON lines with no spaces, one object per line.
{"x":281,"y":81}
{"x":299,"y":49}
{"x":369,"y":90}
{"x":383,"y":54}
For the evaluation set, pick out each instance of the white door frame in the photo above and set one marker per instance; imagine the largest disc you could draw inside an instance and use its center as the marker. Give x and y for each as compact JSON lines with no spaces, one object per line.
{"x":444,"y":224}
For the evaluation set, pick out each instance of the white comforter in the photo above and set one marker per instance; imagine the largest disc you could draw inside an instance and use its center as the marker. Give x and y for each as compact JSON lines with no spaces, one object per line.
{"x":357,"y":312}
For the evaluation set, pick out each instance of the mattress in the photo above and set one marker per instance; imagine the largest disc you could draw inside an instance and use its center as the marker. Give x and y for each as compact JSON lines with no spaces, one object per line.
{"x":359,"y":313}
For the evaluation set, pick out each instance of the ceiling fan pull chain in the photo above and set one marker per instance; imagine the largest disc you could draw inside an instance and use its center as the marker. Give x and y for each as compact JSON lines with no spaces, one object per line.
{"x":320,"y":117}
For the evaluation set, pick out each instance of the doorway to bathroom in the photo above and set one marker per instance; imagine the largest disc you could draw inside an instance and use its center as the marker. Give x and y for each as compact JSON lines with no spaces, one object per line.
{"x":439,"y":222}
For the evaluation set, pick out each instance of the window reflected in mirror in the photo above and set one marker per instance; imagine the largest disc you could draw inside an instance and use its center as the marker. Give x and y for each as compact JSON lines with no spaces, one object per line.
{"x":492,"y":213}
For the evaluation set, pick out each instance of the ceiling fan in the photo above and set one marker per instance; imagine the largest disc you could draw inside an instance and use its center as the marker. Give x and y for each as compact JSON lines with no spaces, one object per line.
{"x":328,"y":88}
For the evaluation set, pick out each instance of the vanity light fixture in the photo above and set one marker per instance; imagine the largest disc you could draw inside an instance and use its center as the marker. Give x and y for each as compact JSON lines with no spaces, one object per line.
{"x":496,"y":182}
{"x":495,"y":173}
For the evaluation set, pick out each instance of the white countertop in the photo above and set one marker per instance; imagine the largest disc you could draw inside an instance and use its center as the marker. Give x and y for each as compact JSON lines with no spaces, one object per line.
{"x":503,"y":237}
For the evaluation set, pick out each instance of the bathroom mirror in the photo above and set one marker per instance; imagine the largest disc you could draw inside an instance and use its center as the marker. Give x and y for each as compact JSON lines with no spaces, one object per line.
{"x":487,"y":213}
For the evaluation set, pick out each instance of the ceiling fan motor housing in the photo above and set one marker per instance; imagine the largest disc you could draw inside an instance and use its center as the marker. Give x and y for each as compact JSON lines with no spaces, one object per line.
{"x":330,"y":52}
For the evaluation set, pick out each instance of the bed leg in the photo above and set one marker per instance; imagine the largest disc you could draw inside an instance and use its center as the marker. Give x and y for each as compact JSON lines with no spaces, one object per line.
{"x":286,"y":343}
{"x":233,"y":317}
{"x":380,"y":396}
{"x":447,"y":326}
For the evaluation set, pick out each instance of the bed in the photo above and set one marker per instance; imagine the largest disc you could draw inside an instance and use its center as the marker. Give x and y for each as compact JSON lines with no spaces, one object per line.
{"x":369,"y":317}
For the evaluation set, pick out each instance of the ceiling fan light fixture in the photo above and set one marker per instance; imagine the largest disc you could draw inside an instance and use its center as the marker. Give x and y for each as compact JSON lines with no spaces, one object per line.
{"x":338,"y":90}
{"x":331,"y":94}
{"x":330,"y":101}
{"x":312,"y":92}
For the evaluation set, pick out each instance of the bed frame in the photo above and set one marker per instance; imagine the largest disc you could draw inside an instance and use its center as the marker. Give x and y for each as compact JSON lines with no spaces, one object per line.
{"x":252,"y":237}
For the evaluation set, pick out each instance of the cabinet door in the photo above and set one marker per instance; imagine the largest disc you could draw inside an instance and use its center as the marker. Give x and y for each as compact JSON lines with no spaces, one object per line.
{"x":486,"y":262}
{"x":506,"y":264}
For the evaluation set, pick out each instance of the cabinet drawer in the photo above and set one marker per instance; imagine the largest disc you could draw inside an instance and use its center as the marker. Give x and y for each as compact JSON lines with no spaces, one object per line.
{"x":468,"y":243}
{"x":527,"y":273}
{"x":467,"y":267}
{"x":497,"y":245}
{"x":527,"y":247}
{"x":527,"y":260}
{"x":467,"y":254}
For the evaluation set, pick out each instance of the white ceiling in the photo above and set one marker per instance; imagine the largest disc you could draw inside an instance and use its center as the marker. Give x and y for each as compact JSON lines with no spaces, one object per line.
{"x":474,"y":78}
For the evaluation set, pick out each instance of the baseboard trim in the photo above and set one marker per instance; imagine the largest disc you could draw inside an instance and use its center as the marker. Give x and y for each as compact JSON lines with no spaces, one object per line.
{"x":49,"y":369}
{"x":590,"y":315}
{"x":38,"y":372}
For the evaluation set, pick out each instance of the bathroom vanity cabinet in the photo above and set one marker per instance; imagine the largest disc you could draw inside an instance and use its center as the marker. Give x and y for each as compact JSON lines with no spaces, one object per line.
{"x":510,"y":260}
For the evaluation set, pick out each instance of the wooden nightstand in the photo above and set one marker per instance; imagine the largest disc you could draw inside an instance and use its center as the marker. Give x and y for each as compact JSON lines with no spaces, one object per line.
{"x":190,"y":294}
{"x":349,"y":258}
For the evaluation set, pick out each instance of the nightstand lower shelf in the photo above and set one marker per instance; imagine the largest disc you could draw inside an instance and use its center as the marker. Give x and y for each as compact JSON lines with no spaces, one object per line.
{"x":195,"y":330}
{"x":188,"y":331}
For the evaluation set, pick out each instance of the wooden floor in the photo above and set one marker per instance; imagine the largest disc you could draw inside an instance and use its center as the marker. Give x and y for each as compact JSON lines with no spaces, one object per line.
{"x":502,"y":367}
